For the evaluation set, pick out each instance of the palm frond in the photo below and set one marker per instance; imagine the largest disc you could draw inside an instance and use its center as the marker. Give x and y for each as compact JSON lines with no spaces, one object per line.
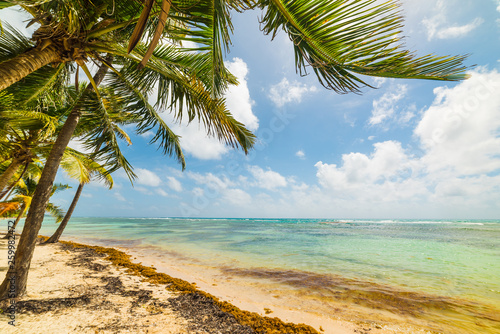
{"x":12,"y":43}
{"x":99,"y":131}
{"x":74,"y":164}
{"x":57,"y":187}
{"x":162,"y":20}
{"x":343,"y":39}
{"x":148,"y":118}
{"x":55,"y":211}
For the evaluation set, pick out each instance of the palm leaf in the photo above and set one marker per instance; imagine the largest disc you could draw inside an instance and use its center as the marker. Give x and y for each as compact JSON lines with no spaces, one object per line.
{"x":162,"y":19}
{"x":140,"y":26}
{"x":344,"y":38}
{"x":55,"y":211}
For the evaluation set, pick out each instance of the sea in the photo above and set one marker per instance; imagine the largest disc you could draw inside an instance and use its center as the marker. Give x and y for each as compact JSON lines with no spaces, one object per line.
{"x":438,"y":275}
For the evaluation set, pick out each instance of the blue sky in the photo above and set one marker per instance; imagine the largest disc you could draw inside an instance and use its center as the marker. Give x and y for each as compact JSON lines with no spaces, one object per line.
{"x":409,"y":149}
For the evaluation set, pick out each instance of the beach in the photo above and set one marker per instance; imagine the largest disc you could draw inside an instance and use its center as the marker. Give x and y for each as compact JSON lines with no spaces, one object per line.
{"x":74,"y":289}
{"x":222,"y":282}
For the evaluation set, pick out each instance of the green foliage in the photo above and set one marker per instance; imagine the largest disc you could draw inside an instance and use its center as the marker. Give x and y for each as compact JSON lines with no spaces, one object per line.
{"x":340,"y":39}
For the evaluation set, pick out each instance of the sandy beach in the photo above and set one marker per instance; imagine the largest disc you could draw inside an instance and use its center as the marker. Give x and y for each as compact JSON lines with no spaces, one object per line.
{"x":77,"y":289}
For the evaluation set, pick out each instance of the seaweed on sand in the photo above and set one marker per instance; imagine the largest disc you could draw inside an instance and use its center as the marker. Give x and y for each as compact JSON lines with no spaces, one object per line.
{"x":258,"y":323}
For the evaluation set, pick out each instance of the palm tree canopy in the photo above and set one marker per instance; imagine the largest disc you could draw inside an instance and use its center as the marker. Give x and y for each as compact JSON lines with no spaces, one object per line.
{"x":88,"y":30}
{"x":340,"y":40}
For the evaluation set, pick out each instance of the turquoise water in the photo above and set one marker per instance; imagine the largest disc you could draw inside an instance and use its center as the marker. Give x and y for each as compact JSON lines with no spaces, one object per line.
{"x":457,"y":259}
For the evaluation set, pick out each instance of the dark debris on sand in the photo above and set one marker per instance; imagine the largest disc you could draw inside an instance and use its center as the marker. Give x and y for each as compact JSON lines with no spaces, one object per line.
{"x":205,"y":316}
{"x":52,"y":304}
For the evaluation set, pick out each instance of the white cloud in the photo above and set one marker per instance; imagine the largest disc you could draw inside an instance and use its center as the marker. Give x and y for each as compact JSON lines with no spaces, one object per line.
{"x":238,"y":98}
{"x":384,"y":108}
{"x":211,"y":181}
{"x":300,"y":154}
{"x":460,"y":131}
{"x":161,"y":192}
{"x":78,"y":145}
{"x":405,"y":117}
{"x":386,"y":163}
{"x":174,"y":184}
{"x":458,"y":31}
{"x":438,"y":27}
{"x":237,"y":197}
{"x":286,"y":92}
{"x":119,"y":197}
{"x":378,"y":82}
{"x":196,"y":142}
{"x":147,"y":177}
{"x":267,"y":179}
{"x":143,"y":190}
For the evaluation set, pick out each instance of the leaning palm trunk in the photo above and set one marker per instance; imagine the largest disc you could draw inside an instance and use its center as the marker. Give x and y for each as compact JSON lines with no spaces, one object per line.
{"x":57,"y":234}
{"x":13,"y":70}
{"x":17,"y":276}
{"x":9,"y":174}
{"x":13,"y":228}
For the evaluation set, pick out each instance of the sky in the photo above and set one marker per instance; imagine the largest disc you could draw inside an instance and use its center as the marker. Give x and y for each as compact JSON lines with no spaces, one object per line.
{"x":409,"y":149}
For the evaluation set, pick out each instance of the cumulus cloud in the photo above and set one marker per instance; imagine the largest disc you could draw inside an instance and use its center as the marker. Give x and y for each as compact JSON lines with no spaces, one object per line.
{"x":174,"y":184}
{"x":386,"y":164}
{"x":147,"y":177}
{"x":300,"y":154}
{"x":161,"y":192}
{"x":238,"y":98}
{"x":211,"y":181}
{"x":460,"y":131}
{"x":269,"y":179}
{"x":458,"y":30}
{"x":286,"y":92}
{"x":385,"y":107}
{"x":212,"y":190}
{"x":237,"y":197}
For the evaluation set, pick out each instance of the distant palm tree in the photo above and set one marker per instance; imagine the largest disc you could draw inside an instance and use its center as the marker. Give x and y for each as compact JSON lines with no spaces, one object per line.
{"x":23,"y":195}
{"x":24,"y":137}
{"x":83,"y":172}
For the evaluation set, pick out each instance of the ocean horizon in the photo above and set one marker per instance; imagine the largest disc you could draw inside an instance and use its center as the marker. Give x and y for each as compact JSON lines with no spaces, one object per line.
{"x":443,"y":275}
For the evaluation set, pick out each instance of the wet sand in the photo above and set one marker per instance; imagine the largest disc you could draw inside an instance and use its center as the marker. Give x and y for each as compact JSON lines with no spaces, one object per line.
{"x":334,"y":303}
{"x":76,"y":290}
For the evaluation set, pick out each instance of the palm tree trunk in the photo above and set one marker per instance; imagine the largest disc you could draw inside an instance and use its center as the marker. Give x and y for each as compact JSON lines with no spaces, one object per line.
{"x":16,"y":279}
{"x":13,"y":228}
{"x":12,"y":185}
{"x":57,"y":234}
{"x":13,"y":70}
{"x":9,"y":173}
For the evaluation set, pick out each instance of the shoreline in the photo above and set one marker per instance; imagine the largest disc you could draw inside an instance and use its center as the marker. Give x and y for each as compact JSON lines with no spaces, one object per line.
{"x":262,"y":309}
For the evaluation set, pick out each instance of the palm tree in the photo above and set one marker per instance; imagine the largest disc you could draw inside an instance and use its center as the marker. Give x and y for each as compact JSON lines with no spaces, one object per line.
{"x":26,"y":137}
{"x":23,"y":196}
{"x":84,"y":173}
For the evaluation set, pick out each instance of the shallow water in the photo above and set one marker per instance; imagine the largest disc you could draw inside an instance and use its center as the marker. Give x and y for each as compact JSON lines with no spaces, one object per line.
{"x":442,"y":274}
